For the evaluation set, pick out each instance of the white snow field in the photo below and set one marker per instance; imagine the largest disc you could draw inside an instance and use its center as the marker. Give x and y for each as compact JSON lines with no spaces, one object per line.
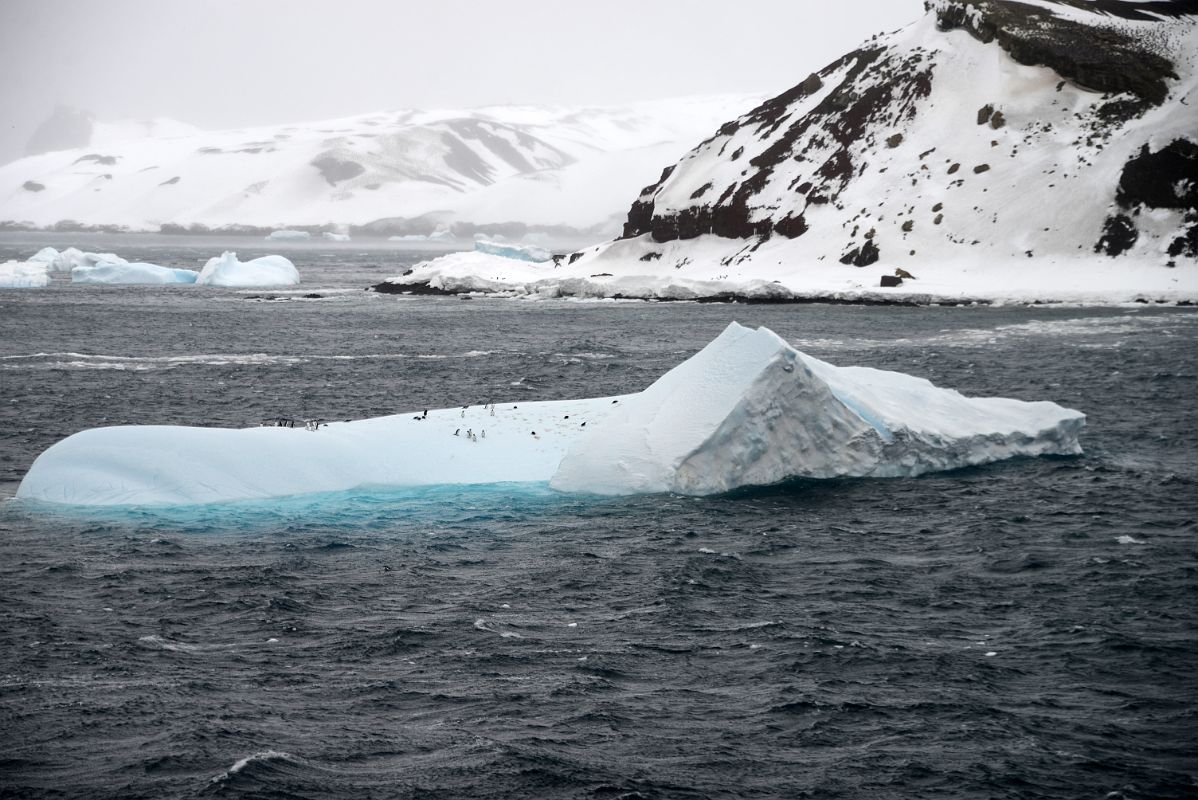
{"x":746,"y":410}
{"x":24,"y":275}
{"x":572,"y":166}
{"x":226,"y":270}
{"x":129,"y":273}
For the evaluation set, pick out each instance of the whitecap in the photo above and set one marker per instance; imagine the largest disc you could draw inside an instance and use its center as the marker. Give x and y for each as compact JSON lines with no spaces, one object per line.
{"x":482,"y":625}
{"x":264,"y":755}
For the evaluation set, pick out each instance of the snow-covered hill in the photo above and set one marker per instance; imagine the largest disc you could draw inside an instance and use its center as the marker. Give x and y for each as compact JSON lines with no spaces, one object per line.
{"x":1041,"y":149}
{"x":402,"y":172}
{"x":70,"y":128}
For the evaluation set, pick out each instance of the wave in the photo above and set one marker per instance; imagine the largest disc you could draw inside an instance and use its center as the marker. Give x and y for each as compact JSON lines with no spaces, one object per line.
{"x":1129,"y":323}
{"x":361,"y":510}
{"x":100,"y":361}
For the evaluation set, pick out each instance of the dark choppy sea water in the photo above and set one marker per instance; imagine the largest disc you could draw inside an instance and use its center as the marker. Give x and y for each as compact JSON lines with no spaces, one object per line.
{"x":1025,"y":629}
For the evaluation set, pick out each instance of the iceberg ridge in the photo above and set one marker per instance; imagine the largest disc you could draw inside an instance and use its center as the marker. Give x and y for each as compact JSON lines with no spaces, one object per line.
{"x":750,"y":410}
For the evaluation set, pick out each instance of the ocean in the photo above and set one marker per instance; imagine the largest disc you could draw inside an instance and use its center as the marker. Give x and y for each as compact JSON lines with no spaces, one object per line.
{"x":1020,"y":630}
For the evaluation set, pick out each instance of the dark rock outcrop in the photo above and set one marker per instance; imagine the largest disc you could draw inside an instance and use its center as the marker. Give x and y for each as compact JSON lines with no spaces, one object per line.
{"x":862,"y":256}
{"x":1167,"y":178}
{"x":335,"y":170}
{"x":1104,"y":59}
{"x":826,"y":133}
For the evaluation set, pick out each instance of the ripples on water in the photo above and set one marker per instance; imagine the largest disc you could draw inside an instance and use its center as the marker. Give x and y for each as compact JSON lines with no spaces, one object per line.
{"x":1019,"y":630}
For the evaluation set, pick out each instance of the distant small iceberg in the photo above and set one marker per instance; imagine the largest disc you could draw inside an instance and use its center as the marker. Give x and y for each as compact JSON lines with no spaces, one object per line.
{"x":288,"y":236}
{"x":226,"y":270}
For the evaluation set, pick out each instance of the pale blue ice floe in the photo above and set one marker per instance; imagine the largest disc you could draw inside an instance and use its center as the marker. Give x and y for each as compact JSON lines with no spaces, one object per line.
{"x":130,"y":273}
{"x":519,"y":252}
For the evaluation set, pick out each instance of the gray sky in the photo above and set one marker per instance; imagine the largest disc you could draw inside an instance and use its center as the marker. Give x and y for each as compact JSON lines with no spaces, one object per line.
{"x":230,"y":63}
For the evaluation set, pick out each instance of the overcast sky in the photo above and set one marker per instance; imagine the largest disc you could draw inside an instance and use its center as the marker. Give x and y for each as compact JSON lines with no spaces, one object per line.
{"x":231,"y":63}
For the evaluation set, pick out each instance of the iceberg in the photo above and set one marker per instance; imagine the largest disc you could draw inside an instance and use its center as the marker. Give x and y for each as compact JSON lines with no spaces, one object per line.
{"x":47,"y":255}
{"x":288,"y":236}
{"x":750,"y":410}
{"x":519,"y":252}
{"x":129,"y":273}
{"x":336,"y":237}
{"x":24,"y":275}
{"x":72,"y":257}
{"x":747,"y":410}
{"x":226,"y":270}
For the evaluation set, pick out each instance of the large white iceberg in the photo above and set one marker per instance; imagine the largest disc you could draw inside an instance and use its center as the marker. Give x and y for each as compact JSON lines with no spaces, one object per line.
{"x":24,"y":275}
{"x":288,"y":236}
{"x":747,"y":410}
{"x":226,"y":270}
{"x":136,"y":272}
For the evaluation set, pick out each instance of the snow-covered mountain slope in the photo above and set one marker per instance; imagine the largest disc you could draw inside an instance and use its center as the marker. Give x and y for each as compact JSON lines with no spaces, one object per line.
{"x":405,"y":172}
{"x":69,"y":128}
{"x":990,"y":148}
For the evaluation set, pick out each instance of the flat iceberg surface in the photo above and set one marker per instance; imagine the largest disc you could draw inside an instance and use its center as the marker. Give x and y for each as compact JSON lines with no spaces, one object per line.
{"x":226,"y":270}
{"x":747,"y":410}
{"x":136,"y":272}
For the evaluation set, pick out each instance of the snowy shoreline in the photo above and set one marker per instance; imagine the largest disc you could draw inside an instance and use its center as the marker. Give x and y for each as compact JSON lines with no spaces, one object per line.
{"x":1064,"y":281}
{"x":864,"y":299}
